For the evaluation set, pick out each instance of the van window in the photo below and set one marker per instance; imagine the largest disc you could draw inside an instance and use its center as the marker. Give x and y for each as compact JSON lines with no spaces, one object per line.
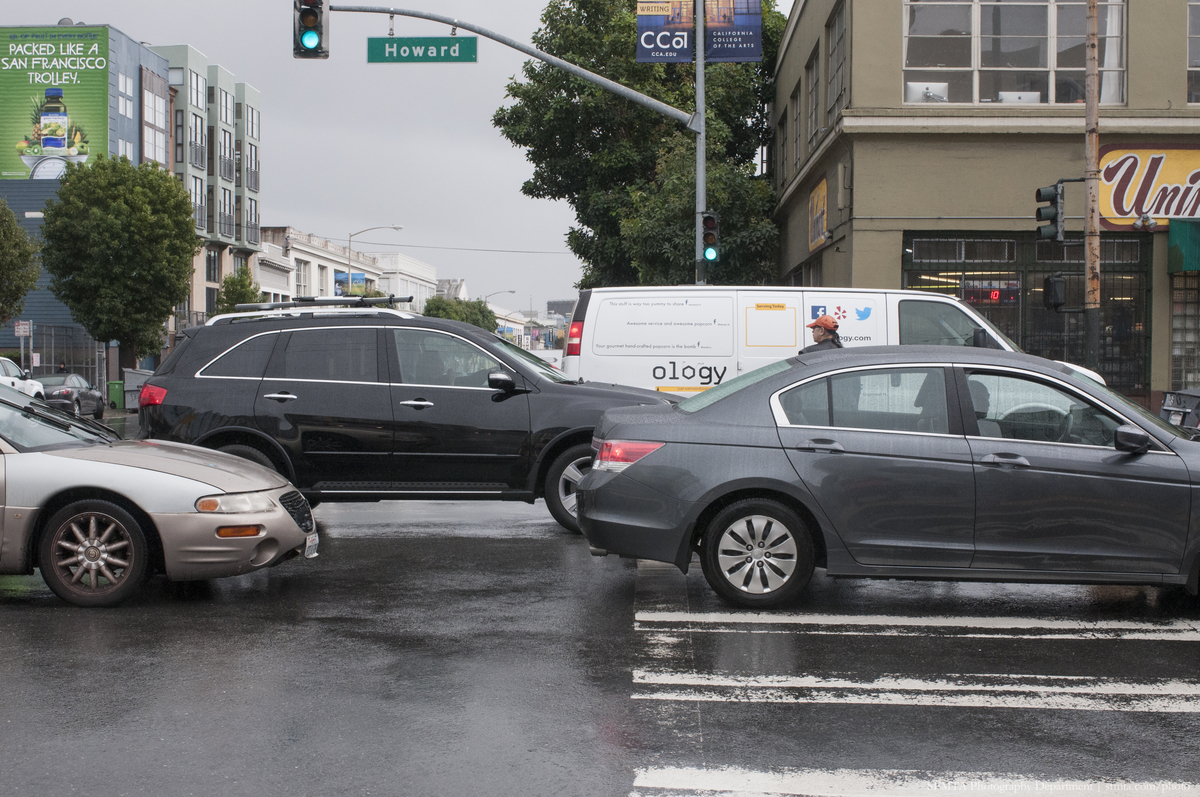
{"x":246,"y":360}
{"x":432,"y":358}
{"x":935,"y":324}
{"x":345,"y":354}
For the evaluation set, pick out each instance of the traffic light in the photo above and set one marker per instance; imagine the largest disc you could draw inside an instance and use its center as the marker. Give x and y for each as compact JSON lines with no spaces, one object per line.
{"x":310,"y":29}
{"x":710,"y":235}
{"x":1052,"y":212}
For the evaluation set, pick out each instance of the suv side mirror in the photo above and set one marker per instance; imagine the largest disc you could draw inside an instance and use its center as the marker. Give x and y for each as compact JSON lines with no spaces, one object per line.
{"x":27,"y":375}
{"x":1132,"y":439}
{"x":502,"y":380}
{"x":981,"y":339}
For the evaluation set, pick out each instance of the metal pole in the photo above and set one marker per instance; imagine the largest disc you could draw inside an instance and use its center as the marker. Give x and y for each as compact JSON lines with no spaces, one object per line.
{"x":1091,"y":305}
{"x":701,"y":144}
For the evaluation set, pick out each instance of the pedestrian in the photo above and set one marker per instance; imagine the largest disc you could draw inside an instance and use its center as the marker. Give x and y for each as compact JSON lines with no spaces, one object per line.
{"x":62,"y":368}
{"x":825,"y":335}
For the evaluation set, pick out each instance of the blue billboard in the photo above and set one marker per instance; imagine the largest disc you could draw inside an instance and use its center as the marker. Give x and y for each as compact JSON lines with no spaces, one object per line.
{"x":666,"y":31}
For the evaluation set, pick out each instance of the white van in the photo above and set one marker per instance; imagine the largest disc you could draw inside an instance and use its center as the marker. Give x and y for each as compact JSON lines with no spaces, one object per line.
{"x":689,"y":338}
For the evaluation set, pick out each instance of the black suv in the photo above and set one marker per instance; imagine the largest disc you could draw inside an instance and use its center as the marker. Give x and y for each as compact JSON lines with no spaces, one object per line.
{"x":365,"y":403}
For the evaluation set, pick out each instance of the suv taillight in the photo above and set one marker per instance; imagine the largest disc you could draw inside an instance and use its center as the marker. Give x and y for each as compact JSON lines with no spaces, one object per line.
{"x":574,"y":338}
{"x":617,"y":455}
{"x":151,"y":395}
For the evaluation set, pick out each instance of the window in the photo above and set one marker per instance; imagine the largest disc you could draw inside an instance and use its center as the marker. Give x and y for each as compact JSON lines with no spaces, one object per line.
{"x":431,"y":358}
{"x":339,"y":355}
{"x":781,"y":138}
{"x":302,"y":274}
{"x":210,"y":300}
{"x":225,"y":109}
{"x":1193,"y":75}
{"x":812,"y":74}
{"x":935,"y":324}
{"x":1015,"y":408}
{"x":253,"y":121}
{"x":978,"y":51}
{"x":248,"y":360}
{"x":154,"y":118}
{"x":197,"y":89}
{"x":835,"y":34}
{"x":890,"y":399}
{"x":797,"y":143}
{"x":212,"y":265}
{"x":322,"y":280}
{"x":125,"y":95}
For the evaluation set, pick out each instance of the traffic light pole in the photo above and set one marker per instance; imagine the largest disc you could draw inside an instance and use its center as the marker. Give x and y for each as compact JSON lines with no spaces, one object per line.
{"x":1091,"y":176}
{"x":701,"y":147}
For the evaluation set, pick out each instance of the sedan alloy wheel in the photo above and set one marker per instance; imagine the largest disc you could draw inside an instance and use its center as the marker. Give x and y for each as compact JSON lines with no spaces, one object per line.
{"x":757,"y":553}
{"x":93,"y":553}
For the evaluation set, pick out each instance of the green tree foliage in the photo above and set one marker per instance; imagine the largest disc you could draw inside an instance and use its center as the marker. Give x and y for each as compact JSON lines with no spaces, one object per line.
{"x":119,"y":243}
{"x":605,"y":155}
{"x":238,"y":288}
{"x":474,"y":312}
{"x":18,"y":265}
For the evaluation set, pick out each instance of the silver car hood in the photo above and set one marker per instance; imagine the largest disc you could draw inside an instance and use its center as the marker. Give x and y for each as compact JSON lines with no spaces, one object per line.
{"x":225,"y":472}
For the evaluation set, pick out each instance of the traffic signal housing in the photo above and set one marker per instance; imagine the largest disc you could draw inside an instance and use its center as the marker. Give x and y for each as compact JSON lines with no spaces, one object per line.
{"x":1052,"y":212}
{"x":310,"y":28}
{"x":710,"y":235}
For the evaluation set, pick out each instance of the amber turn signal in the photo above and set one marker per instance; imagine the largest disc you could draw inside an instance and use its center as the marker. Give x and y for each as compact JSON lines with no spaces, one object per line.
{"x":238,"y":531}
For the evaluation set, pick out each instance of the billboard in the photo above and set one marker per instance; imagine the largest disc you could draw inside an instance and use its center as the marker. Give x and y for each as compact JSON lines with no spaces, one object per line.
{"x":352,"y":284}
{"x":53,"y":99}
{"x":666,"y":29}
{"x":1156,"y":180}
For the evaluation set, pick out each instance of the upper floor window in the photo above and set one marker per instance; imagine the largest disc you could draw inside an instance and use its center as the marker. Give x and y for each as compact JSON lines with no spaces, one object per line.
{"x":1193,"y":52}
{"x":835,"y":34}
{"x":1029,"y":51}
{"x":197,"y":89}
{"x":226,"y":107}
{"x":797,"y":143}
{"x":253,"y":120}
{"x":812,"y":74}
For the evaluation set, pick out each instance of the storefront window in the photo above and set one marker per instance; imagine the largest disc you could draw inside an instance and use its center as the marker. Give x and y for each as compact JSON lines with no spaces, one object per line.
{"x":1185,"y":330}
{"x":1032,"y":52}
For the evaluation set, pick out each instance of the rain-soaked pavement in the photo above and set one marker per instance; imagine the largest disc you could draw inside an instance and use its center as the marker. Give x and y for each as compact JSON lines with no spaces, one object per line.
{"x":477,"y":649}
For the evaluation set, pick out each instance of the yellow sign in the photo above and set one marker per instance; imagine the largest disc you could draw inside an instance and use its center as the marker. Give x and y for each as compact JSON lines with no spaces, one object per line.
{"x":653,"y":9}
{"x":817,"y":202}
{"x":1161,"y":182}
{"x":761,"y":306}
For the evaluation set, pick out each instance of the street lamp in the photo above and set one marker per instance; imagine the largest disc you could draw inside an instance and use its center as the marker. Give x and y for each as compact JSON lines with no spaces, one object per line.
{"x":495,"y":293}
{"x":350,"y":246}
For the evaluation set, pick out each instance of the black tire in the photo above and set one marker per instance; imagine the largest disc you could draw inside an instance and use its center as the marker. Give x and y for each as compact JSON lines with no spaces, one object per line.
{"x":757,"y":553}
{"x":563,"y":479}
{"x":78,"y":410}
{"x":251,"y":453}
{"x":99,"y":413}
{"x":93,"y":553}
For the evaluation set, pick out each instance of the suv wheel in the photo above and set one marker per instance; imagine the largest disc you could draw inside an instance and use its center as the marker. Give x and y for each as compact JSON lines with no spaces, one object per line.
{"x":562,"y":480}
{"x":249,"y":452}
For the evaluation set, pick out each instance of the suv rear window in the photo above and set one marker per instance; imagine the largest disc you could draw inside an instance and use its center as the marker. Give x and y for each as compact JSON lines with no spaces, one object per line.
{"x":246,"y":360}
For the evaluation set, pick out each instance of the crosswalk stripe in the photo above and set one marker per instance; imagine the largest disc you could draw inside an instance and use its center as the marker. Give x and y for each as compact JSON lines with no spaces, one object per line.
{"x":896,"y":625}
{"x":680,"y":781}
{"x":1076,"y":693}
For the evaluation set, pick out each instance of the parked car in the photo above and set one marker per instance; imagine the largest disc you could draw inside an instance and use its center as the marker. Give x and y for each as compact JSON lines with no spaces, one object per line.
{"x":97,"y":514}
{"x":909,"y":462}
{"x":12,"y":375}
{"x":73,"y":394}
{"x":367,"y":403}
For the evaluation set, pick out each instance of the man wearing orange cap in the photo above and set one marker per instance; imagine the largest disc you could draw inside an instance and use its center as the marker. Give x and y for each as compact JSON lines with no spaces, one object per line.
{"x":825,"y":335}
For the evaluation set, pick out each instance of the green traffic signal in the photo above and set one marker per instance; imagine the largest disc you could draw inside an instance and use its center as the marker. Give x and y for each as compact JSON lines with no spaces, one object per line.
{"x":310,"y":28}
{"x":1052,"y":212}
{"x":710,"y":235}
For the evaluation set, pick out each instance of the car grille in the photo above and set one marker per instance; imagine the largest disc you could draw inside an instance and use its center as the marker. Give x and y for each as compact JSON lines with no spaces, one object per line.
{"x":297,"y":507}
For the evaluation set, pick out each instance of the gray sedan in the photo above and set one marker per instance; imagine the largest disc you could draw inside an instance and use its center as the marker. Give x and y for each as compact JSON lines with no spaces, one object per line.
{"x":913,"y":462}
{"x":98,"y":514}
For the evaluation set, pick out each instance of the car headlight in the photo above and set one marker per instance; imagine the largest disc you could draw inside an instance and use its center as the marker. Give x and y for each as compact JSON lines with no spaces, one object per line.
{"x":229,"y":503}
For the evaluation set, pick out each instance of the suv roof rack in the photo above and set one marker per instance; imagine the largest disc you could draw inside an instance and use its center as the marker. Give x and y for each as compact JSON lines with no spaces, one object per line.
{"x":324,"y":301}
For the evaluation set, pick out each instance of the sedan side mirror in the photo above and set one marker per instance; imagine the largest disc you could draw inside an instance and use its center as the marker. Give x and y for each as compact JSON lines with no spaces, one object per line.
{"x":502,"y":380}
{"x":1132,"y":439}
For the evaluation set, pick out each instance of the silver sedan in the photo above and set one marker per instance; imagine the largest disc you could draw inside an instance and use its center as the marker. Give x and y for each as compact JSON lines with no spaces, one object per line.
{"x":97,"y":514}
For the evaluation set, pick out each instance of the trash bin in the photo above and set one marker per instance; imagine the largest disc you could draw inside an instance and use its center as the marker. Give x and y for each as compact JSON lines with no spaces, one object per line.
{"x":134,"y":377}
{"x":116,"y":395}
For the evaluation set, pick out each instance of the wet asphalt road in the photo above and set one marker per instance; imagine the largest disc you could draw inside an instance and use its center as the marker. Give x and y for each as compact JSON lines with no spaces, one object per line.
{"x":440,"y":649}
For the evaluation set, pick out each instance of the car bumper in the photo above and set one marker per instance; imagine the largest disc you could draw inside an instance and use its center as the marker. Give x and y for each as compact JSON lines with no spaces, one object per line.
{"x":66,"y":405}
{"x":621,"y":516}
{"x":192,"y":550}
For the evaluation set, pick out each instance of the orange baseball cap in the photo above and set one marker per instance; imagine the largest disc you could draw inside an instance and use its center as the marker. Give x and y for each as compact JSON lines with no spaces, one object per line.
{"x":826,"y":321}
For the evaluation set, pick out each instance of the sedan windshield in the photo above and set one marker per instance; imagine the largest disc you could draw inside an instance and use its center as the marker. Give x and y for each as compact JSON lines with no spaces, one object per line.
{"x":33,"y":429}
{"x":532,"y":361}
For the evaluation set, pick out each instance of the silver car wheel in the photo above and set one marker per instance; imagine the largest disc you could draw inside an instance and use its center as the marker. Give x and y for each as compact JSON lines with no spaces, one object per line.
{"x":757,"y":554}
{"x":569,"y":481}
{"x":93,"y":553}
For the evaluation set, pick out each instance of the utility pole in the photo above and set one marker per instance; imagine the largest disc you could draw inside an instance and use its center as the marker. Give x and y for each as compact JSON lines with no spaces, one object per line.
{"x":701,"y":146}
{"x":1091,"y":176}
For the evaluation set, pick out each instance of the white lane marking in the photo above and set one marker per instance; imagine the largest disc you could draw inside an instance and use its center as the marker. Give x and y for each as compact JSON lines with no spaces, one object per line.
{"x":1076,"y":693}
{"x":866,"y":783}
{"x":895,"y":625}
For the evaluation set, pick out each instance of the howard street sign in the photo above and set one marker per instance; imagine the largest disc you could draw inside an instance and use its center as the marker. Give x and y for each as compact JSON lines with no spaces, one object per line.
{"x":421,"y":50}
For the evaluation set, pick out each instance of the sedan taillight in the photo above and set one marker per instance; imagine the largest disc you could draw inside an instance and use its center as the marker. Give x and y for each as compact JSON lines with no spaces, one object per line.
{"x":151,"y":396}
{"x":617,"y":455}
{"x":66,"y":391}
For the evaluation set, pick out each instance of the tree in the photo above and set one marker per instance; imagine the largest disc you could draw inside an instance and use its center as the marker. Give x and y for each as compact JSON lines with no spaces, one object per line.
{"x":595,"y":149}
{"x":18,"y":265}
{"x":473,"y":312}
{"x":237,"y":288}
{"x":119,"y":243}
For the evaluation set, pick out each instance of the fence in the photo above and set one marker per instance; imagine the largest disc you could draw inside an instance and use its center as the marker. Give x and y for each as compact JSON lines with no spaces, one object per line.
{"x":68,"y":345}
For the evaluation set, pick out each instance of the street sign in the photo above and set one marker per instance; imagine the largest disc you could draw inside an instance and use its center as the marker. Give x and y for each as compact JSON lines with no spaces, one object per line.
{"x":421,"y":50}
{"x":22,"y":329}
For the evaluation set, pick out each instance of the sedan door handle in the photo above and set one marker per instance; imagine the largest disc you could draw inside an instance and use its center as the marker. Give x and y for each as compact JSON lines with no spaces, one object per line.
{"x":281,"y":397}
{"x":830,"y":446}
{"x":1005,"y":460}
{"x":418,"y":404}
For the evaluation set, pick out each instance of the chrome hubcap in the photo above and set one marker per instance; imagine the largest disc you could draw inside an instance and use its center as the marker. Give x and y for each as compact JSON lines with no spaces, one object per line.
{"x":569,"y":483}
{"x":90,"y":549}
{"x":757,"y":554}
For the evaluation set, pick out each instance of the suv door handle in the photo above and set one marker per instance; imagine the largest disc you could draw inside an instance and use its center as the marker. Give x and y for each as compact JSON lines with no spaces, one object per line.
{"x":1003,"y":460}
{"x":417,"y":404}
{"x":281,"y":397}
{"x":831,"y":446}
